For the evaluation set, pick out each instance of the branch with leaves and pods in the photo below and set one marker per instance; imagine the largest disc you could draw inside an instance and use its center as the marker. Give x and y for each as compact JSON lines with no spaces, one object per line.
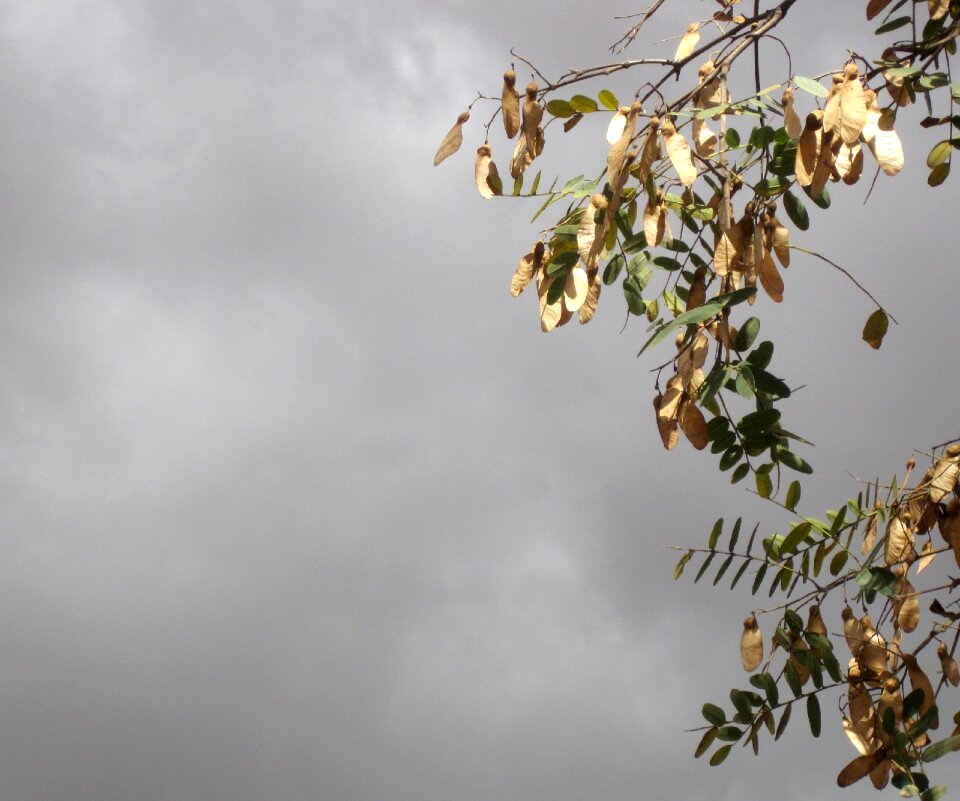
{"x":694,"y":212}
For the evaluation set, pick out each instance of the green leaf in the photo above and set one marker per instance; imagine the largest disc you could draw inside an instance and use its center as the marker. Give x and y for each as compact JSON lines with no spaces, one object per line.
{"x":583,"y":104}
{"x":560,"y":108}
{"x":793,"y":620}
{"x":608,"y":99}
{"x":796,"y":211}
{"x":744,"y":383}
{"x":758,"y":421}
{"x":766,"y":682}
{"x":714,"y":714}
{"x":536,"y":183}
{"x":772,"y":186}
{"x":892,"y":25}
{"x":935,"y":793}
{"x":708,"y":738}
{"x":793,"y":495}
{"x":703,"y":567}
{"x":735,"y":535}
{"x":769,"y":383}
{"x":813,"y":714}
{"x":941,"y":748}
{"x":730,"y":457}
{"x":796,"y":536}
{"x":939,"y":154}
{"x":678,"y":570}
{"x":811,"y":86}
{"x":739,"y":573}
{"x":556,"y":291}
{"x":518,"y":184}
{"x":741,"y":701}
{"x":666,"y":263}
{"x":747,"y":334}
{"x":700,"y":314}
{"x":633,"y":293}
{"x":732,"y":138}
{"x":562,"y":261}
{"x":793,"y":678}
{"x":876,"y":328}
{"x":758,"y":579}
{"x":761,"y":355}
{"x":495,"y":183}
{"x":784,"y":720}
{"x":938,"y":174}
{"x":794,"y":462}
{"x":740,"y":473}
{"x":715,"y":534}
{"x":720,"y":754}
{"x":877,"y":579}
{"x":612,"y":271}
{"x":764,"y":485}
{"x":838,"y":561}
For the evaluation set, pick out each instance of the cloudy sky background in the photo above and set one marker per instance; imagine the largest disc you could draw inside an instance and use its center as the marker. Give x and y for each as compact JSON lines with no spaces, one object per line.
{"x":297,"y":502}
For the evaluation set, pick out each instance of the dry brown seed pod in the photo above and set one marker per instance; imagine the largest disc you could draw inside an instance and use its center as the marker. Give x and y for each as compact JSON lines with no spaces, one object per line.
{"x":906,"y":608}
{"x":693,"y":423}
{"x":532,"y":116}
{"x":863,"y":717}
{"x":890,"y":698}
{"x":689,"y":42}
{"x":654,"y":222}
{"x":589,"y":307}
{"x":948,"y":665}
{"x":944,"y":479}
{"x":525,"y":270}
{"x":770,"y":278}
{"x":678,"y":149}
{"x":510,"y":104}
{"x":486,"y":173}
{"x":697,"y":294}
{"x":791,"y":120}
{"x":550,"y":313}
{"x":872,"y":656}
{"x":874,"y":7}
{"x":590,"y":234}
{"x":831,"y":112}
{"x":938,"y":8}
{"x":862,"y":766}
{"x":852,"y":631}
{"x":853,"y":105}
{"x":920,"y":681}
{"x":575,"y":288}
{"x":751,"y":644}
{"x":618,"y":151}
{"x":617,"y":123}
{"x":714,"y":92}
{"x":884,"y":144}
{"x":668,"y":428}
{"x":704,"y":139}
{"x":670,"y":404}
{"x":900,"y":540}
{"x":829,"y":145}
{"x":452,"y":141}
{"x":808,"y":150}
{"x":522,"y":157}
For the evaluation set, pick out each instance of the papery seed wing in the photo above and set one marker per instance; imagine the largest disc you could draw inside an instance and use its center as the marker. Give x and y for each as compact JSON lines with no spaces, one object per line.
{"x":679,"y":152}
{"x":899,"y":542}
{"x":532,"y":116}
{"x":654,"y":223}
{"x":853,"y":105}
{"x":523,"y":275}
{"x":704,"y":139}
{"x":549,"y":312}
{"x":617,"y":124}
{"x":697,"y":295}
{"x":751,"y":645}
{"x":944,"y":478}
{"x":689,"y":42}
{"x":849,"y":163}
{"x":452,"y":141}
{"x":668,"y":428}
{"x":693,"y":424}
{"x":670,"y":403}
{"x":791,"y":120}
{"x":618,"y":151}
{"x":589,"y":307}
{"x":576,"y":288}
{"x":522,"y":157}
{"x":488,"y":179}
{"x":938,"y":8}
{"x":510,"y":104}
{"x":770,"y":278}
{"x":808,"y":149}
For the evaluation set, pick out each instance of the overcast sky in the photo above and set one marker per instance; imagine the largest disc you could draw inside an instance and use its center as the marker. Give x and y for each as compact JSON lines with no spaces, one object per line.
{"x":297,"y":502}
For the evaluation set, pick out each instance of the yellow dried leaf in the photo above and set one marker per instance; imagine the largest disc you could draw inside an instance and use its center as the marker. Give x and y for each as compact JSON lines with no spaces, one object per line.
{"x":884,"y":144}
{"x":860,"y":767}
{"x":510,"y":104}
{"x":452,"y":141}
{"x":856,"y":738}
{"x":751,"y":645}
{"x":852,"y":631}
{"x":668,"y":428}
{"x":678,"y":149}
{"x":704,"y":139}
{"x":575,"y":289}
{"x":617,"y":123}
{"x":650,"y":152}
{"x":863,"y":716}
{"x":485,"y":172}
{"x":529,"y":265}
{"x":831,"y":112}
{"x":829,"y":144}
{"x":872,"y":656}
{"x":920,"y":681}
{"x":948,"y":665}
{"x":694,"y":425}
{"x":589,"y":307}
{"x":944,"y":478}
{"x":791,"y":120}
{"x":532,"y":116}
{"x":713,"y":92}
{"x":853,"y":105}
{"x":688,"y":43}
{"x":691,"y":358}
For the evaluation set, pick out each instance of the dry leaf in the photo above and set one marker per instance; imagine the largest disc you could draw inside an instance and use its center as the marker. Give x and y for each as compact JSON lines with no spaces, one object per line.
{"x":697,"y":294}
{"x":791,"y":120}
{"x":890,"y":698}
{"x":452,"y":141}
{"x":872,"y":656}
{"x":770,"y":278}
{"x":670,"y":402}
{"x":550,"y":313}
{"x":688,"y":43}
{"x":488,"y":179}
{"x":906,"y":609}
{"x":920,"y":681}
{"x":654,"y":222}
{"x":510,"y":104}
{"x":831,"y":111}
{"x":874,"y":7}
{"x":522,"y":157}
{"x":899,"y":541}
{"x":525,"y":271}
{"x":852,"y":631}
{"x":714,"y":92}
{"x":751,"y":645}
{"x":679,"y":152}
{"x":860,"y":767}
{"x":704,"y":139}
{"x":590,"y":233}
{"x":849,"y":163}
{"x":938,"y":8}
